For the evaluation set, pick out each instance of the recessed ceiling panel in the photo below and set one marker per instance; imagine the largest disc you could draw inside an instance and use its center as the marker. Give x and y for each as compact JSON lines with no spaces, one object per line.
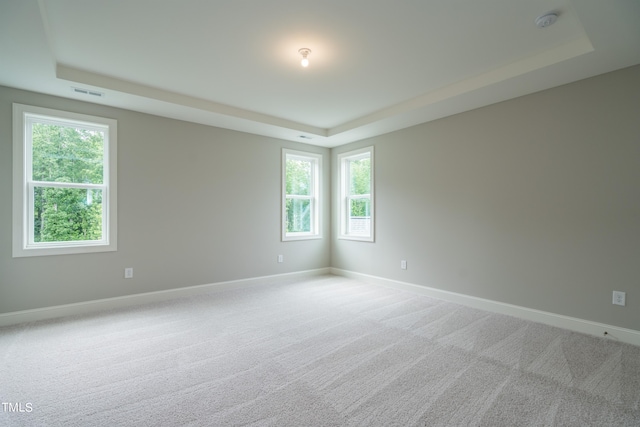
{"x":375,"y":65}
{"x":366,"y":55}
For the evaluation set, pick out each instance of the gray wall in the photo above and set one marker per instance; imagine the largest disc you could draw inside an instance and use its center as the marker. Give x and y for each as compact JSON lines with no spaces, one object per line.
{"x":533,"y":201}
{"x":196,"y":205}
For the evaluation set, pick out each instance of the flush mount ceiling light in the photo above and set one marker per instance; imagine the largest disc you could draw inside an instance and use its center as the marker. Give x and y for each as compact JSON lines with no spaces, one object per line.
{"x":304,"y":52}
{"x":546,"y":19}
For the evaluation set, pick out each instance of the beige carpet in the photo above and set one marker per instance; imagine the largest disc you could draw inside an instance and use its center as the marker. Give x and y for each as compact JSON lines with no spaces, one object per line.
{"x":327,"y":351}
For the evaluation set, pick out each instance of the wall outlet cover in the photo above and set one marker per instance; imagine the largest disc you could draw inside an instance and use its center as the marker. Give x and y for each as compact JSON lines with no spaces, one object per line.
{"x":619,"y":298}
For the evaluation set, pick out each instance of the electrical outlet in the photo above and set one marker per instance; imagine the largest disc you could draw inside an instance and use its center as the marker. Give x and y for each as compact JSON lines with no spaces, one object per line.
{"x":403,"y":264}
{"x":619,"y":298}
{"x":128,"y":273}
{"x":280,"y":258}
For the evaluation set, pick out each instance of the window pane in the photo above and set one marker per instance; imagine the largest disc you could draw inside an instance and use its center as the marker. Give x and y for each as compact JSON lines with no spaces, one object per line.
{"x":67,"y":154}
{"x":359,"y":221}
{"x":298,"y":177}
{"x":360,"y":207}
{"x":298,"y":215}
{"x":360,"y":175}
{"x":357,"y":195}
{"x":67,"y":214}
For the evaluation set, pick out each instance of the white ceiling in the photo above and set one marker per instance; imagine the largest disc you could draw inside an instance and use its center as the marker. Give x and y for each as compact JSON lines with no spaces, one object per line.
{"x":376,"y":65}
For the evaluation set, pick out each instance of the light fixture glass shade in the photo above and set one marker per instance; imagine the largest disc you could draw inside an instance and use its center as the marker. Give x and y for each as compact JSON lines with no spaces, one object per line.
{"x":304,"y":52}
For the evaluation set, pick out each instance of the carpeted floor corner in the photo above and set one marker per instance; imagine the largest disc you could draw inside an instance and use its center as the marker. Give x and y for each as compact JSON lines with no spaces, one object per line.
{"x":325,"y":351}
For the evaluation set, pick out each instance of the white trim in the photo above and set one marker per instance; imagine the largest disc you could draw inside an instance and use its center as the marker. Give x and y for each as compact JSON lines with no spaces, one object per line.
{"x":22,"y":198}
{"x":588,"y":327}
{"x":44,"y":313}
{"x":344,"y":194}
{"x":315,"y":197}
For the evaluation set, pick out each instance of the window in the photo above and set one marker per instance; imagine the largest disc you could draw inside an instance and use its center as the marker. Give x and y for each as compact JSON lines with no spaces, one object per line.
{"x":300,"y":195}
{"x":356,"y":195}
{"x":64,"y":186}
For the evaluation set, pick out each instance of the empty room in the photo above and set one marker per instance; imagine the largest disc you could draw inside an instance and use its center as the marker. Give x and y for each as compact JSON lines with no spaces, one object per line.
{"x":329,"y":213}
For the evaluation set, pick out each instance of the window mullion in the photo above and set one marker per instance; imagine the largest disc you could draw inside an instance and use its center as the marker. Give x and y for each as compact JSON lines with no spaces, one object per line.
{"x":300,"y":212}
{"x":67,"y":185}
{"x":71,"y":217}
{"x":358,"y":226}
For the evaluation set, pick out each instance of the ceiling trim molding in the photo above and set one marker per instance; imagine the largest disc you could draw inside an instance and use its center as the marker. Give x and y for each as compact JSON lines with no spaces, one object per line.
{"x":531,"y":63}
{"x":111,"y":83}
{"x":517,"y":68}
{"x":363,"y":83}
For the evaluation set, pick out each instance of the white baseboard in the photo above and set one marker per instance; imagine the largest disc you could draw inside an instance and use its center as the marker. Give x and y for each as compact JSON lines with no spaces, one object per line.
{"x":615,"y":333}
{"x":23,"y":316}
{"x":571,"y":323}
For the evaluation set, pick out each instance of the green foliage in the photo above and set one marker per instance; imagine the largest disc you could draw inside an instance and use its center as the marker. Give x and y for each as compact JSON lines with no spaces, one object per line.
{"x":69,"y":215}
{"x":298,"y":175}
{"x":70,"y":155}
{"x":360,"y":184}
{"x":298,"y":215}
{"x":67,"y":154}
{"x":298,"y":182}
{"x":360,"y":207}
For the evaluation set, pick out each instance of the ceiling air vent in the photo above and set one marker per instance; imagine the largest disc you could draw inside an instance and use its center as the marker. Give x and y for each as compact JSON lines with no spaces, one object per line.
{"x":87,"y":92}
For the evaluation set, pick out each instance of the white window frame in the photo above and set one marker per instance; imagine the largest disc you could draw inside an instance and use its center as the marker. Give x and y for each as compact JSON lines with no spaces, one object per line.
{"x":314,"y":197}
{"x":346,"y":196}
{"x":23,"y":185}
